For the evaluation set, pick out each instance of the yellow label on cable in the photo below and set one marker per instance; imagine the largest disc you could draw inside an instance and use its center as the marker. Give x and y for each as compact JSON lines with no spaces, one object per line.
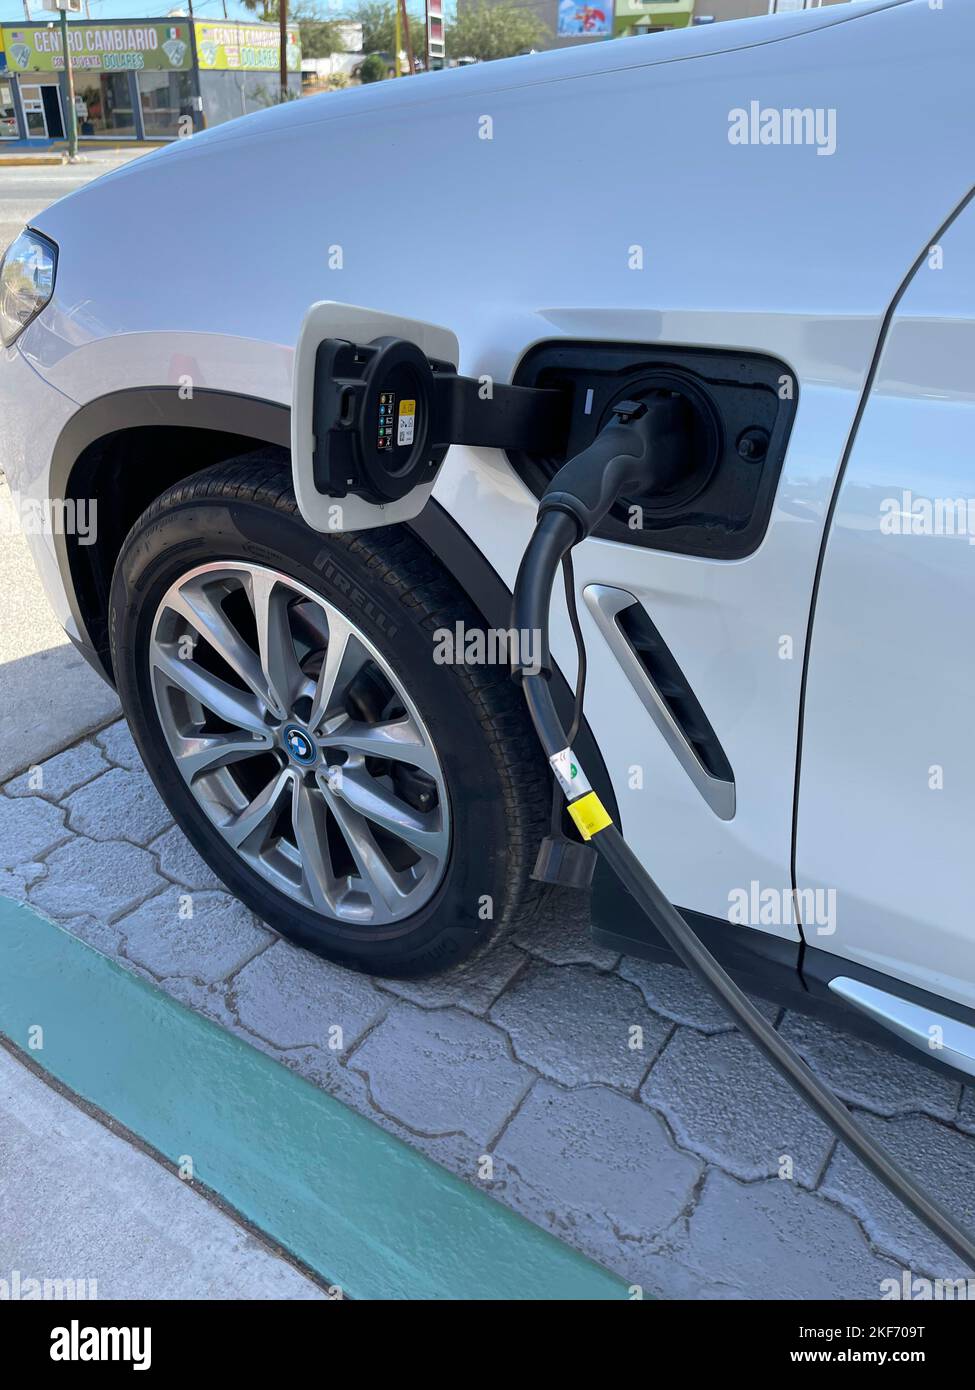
{"x":590,"y":815}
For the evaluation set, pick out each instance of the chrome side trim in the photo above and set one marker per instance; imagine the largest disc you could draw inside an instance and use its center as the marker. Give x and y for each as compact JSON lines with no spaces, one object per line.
{"x":953,"y":1044}
{"x":604,"y":603}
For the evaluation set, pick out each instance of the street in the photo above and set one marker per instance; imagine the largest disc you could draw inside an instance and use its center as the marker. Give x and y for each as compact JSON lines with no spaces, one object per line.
{"x":26,"y":190}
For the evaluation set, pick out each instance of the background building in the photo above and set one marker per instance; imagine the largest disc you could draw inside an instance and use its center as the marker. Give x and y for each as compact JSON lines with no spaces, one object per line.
{"x":572,"y":22}
{"x":138,"y":79}
{"x":636,"y":17}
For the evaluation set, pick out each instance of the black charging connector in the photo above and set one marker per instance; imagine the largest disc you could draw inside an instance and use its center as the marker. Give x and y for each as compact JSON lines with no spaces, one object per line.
{"x":564,"y":862}
{"x":642,"y":450}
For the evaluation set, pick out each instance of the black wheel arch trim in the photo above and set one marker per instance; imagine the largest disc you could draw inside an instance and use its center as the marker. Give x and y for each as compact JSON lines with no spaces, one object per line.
{"x":269,"y":422}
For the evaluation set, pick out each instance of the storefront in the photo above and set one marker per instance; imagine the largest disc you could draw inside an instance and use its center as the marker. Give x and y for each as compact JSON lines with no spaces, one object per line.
{"x":652,"y":16}
{"x":8,"y":117}
{"x":136,"y":80}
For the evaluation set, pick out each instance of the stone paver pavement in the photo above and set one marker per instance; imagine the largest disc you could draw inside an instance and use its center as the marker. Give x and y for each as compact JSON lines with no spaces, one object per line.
{"x":608,"y":1100}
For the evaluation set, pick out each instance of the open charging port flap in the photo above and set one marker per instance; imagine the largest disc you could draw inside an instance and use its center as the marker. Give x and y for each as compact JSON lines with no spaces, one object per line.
{"x":329,"y":321}
{"x":378,"y":402}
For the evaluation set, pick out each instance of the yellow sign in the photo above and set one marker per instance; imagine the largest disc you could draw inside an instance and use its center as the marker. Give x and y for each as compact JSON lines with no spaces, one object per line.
{"x":132,"y":45}
{"x":232,"y":47}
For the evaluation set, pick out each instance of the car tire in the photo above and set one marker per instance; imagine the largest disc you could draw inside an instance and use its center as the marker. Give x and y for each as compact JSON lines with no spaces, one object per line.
{"x":242,"y":515}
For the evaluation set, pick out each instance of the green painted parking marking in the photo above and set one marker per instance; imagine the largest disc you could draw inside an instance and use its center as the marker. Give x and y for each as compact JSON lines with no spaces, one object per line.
{"x":362,"y":1209}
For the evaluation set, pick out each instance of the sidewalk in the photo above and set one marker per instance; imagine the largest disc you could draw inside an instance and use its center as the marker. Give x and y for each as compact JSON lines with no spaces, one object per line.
{"x":88,"y":1214}
{"x":50,"y":694}
{"x":366,"y":1213}
{"x":15,"y":153}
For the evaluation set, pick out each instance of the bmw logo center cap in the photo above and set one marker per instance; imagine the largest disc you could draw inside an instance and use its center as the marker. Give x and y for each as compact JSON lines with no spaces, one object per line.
{"x":300,"y":747}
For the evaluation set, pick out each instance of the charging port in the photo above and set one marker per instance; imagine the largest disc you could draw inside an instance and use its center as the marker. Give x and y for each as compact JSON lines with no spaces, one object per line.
{"x":721,"y":504}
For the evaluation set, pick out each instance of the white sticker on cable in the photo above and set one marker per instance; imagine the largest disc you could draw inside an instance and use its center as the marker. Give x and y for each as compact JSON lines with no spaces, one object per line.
{"x":406,"y":422}
{"x":571,"y":777}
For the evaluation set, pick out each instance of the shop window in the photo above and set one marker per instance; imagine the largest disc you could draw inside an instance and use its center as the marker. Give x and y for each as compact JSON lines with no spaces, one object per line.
{"x":104,"y":105}
{"x":41,"y":101}
{"x":230,"y":94}
{"x":166,"y":98}
{"x":8,"y":121}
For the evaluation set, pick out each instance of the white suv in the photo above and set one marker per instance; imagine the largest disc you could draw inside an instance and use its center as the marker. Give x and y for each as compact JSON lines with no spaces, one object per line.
{"x":771,"y":222}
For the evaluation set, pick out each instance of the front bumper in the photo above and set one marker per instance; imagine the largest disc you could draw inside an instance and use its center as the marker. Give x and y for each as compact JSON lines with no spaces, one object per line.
{"x":32,"y":415}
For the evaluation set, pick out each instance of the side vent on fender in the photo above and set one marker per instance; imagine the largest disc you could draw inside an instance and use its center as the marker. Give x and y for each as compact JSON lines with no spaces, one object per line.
{"x":653,"y":672}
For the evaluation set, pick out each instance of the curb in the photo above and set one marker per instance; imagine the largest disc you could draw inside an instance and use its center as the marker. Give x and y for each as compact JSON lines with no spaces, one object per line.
{"x":11,"y":159}
{"x":359,"y":1208}
{"x":72,"y":741}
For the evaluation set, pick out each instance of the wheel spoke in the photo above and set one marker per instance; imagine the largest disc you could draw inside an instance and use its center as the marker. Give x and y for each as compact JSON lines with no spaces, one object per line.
{"x":378,"y":876}
{"x":233,"y":706}
{"x":398,"y":739}
{"x":260,"y":813}
{"x":311,"y":837}
{"x":344,"y":656}
{"x":283,"y":678}
{"x":201,"y":609}
{"x":203,"y":753}
{"x":421,"y":830}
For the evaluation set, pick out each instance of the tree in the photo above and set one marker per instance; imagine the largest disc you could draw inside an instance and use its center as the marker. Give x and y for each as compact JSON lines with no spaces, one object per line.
{"x":372,"y":69}
{"x":493,"y":31}
{"x":268,"y":10}
{"x":378,"y":20}
{"x":320,"y":37}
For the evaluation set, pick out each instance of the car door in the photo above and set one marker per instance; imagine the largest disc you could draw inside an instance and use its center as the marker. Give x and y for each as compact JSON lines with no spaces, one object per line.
{"x":887,"y":784}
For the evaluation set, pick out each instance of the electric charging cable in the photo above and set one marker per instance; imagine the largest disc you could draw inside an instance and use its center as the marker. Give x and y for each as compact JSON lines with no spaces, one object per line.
{"x":636,"y":453}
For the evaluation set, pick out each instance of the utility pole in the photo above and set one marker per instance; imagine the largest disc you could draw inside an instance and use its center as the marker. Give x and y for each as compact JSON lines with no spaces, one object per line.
{"x":27,"y":10}
{"x":409,"y":41}
{"x":396,"y":44}
{"x":199,"y":120}
{"x":72,"y":115}
{"x":283,"y":64}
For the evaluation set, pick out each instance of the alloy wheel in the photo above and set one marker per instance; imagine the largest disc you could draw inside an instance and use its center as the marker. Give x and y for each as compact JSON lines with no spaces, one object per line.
{"x":300,"y":743}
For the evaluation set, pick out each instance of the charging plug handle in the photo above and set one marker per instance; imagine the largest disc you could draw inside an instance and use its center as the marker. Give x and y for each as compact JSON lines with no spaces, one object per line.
{"x":642,"y":451}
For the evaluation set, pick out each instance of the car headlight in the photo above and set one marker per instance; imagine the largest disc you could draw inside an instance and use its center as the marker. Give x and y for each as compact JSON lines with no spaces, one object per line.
{"x":26,"y":282}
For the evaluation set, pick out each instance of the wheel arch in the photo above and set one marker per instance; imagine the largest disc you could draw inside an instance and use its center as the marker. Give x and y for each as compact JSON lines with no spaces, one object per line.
{"x":175,"y":435}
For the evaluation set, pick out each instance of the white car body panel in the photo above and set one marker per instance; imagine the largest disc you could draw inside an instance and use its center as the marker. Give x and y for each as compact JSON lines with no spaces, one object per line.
{"x":530,"y":236}
{"x":892,"y":668}
{"x":32,"y":416}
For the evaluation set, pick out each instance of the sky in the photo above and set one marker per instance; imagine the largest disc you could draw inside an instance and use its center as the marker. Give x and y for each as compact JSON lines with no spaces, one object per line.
{"x":13,"y":10}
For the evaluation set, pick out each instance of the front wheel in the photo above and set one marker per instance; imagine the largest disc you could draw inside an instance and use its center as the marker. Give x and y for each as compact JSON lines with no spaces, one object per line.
{"x":370,"y":804}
